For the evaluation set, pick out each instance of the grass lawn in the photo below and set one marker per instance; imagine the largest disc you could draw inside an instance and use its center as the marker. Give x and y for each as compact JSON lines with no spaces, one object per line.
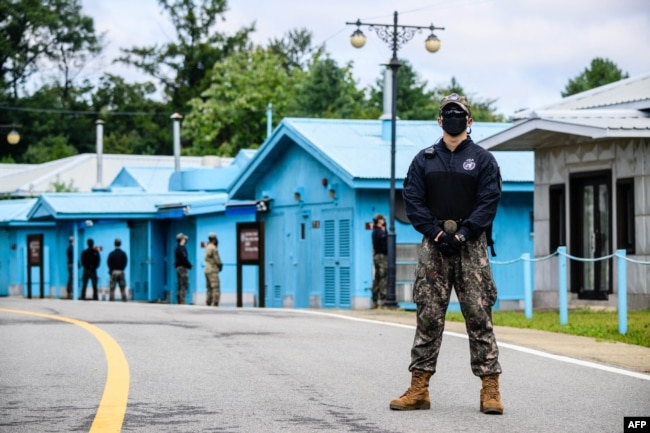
{"x":585,"y":322}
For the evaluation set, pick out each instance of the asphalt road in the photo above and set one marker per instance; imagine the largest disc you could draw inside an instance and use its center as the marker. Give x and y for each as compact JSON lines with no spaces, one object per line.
{"x":98,"y":366}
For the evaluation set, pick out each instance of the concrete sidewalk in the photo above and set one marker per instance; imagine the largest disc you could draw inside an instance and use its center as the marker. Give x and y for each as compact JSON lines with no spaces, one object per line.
{"x":627,"y":356}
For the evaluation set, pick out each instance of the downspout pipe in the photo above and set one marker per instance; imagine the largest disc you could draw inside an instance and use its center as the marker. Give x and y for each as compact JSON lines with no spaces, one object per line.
{"x":177,"y":140}
{"x":99,"y":144}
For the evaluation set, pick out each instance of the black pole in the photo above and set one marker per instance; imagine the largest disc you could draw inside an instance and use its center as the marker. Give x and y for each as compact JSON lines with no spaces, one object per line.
{"x":394,"y":37}
{"x":391,"y":296}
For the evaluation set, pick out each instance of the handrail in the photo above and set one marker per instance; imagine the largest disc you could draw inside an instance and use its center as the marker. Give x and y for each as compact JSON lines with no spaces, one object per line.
{"x":562,"y":280}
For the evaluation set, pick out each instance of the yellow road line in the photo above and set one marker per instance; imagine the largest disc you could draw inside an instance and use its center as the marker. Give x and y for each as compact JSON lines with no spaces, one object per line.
{"x":112,"y":407}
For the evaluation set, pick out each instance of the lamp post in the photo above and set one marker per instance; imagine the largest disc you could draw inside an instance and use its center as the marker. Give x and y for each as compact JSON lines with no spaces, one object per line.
{"x":395,"y":36}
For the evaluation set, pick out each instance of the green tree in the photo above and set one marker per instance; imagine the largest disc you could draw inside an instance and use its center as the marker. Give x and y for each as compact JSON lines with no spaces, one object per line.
{"x":329,"y":91}
{"x":51,"y":40}
{"x":181,"y":66}
{"x":414,"y":101}
{"x":60,"y":186}
{"x":135,"y":122}
{"x":42,"y":31}
{"x":600,"y":72}
{"x":295,"y":48}
{"x":47,"y":119}
{"x":231,"y":112}
{"x":48,"y":149}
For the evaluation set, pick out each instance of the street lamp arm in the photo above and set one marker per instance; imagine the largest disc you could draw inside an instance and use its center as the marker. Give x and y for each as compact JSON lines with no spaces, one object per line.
{"x":394,"y":35}
{"x":358,"y":23}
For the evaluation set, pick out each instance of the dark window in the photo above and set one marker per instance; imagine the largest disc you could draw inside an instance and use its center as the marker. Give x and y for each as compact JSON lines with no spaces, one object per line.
{"x":557,"y":217}
{"x":625,"y":238}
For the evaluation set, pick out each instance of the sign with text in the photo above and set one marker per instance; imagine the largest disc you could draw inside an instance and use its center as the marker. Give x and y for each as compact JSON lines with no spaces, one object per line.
{"x":250,"y":251}
{"x":249,"y":244}
{"x":35,"y":259}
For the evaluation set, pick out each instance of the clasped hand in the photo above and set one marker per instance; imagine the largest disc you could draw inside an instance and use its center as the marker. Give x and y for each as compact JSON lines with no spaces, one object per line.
{"x":448,"y":244}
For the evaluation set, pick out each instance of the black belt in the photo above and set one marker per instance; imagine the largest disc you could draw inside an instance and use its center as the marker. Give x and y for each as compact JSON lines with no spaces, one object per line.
{"x":451,"y":226}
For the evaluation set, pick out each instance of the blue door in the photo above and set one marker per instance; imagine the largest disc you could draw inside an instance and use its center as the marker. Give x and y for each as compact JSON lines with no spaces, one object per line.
{"x":337,"y":252}
{"x":303,"y":259}
{"x":274,"y":254}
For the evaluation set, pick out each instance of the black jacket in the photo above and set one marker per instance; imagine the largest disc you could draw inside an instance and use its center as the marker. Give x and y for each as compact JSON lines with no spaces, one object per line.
{"x":379,"y":241}
{"x":90,"y":259}
{"x":117,"y":260}
{"x":461,"y":185}
{"x":180,"y":257}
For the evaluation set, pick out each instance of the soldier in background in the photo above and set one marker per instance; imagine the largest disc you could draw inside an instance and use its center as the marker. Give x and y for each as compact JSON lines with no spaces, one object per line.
{"x":70,"y":255}
{"x":182,"y":265}
{"x":213,"y":266}
{"x":117,"y":261}
{"x":90,"y":260}
{"x":380,"y":260}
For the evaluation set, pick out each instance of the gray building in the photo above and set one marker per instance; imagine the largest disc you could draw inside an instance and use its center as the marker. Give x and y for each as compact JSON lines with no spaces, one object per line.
{"x":592,"y":189}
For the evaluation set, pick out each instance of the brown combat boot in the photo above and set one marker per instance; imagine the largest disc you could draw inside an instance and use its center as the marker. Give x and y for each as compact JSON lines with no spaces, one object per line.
{"x":417,"y":396}
{"x":490,"y":395}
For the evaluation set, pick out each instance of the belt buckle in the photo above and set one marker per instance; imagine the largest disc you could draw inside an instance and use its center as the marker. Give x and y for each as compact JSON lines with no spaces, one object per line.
{"x":450,"y":226}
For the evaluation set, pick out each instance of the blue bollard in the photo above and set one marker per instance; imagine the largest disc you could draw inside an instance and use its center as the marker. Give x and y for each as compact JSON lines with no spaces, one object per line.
{"x":621,"y":265}
{"x":528,"y":290}
{"x":562,"y":275}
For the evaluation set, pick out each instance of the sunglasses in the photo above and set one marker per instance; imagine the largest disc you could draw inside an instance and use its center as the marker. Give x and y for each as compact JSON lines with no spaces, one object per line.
{"x":451,"y":114}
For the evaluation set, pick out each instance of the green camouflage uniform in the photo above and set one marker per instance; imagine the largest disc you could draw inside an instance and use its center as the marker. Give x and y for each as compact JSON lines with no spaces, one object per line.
{"x":183,"y":275}
{"x":213,"y":265}
{"x":117,"y":278}
{"x":470,"y":275}
{"x":379,"y":282}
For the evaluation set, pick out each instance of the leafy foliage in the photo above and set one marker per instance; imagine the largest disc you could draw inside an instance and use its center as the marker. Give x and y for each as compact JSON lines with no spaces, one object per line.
{"x":600,"y":72}
{"x":414,"y":101}
{"x":328,"y":91}
{"x":181,"y":66}
{"x":230,"y":115}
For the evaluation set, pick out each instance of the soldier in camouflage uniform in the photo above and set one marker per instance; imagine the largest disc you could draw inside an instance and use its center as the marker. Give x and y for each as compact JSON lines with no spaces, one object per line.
{"x":451,"y":194}
{"x":182,"y":265}
{"x":380,"y":260}
{"x":213,"y":266}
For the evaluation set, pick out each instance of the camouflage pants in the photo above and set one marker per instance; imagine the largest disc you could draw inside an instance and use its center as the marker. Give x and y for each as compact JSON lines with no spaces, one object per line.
{"x":117,"y":278}
{"x":470,"y":276}
{"x":213,"y":288}
{"x":183,"y":282}
{"x":379,"y":281}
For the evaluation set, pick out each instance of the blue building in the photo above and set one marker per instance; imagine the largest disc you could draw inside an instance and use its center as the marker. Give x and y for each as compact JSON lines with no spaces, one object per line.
{"x":321,"y":181}
{"x":325,"y":180}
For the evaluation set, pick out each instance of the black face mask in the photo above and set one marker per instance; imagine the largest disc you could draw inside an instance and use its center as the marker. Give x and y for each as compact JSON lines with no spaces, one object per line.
{"x":454,"y":126}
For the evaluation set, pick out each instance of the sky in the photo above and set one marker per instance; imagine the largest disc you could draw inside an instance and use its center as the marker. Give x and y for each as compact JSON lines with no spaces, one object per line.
{"x":521,"y":53}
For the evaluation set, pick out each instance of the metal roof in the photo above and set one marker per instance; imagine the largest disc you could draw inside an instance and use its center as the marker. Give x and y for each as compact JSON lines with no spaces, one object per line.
{"x":80,"y":171}
{"x":358,"y":150}
{"x":630,"y":93}
{"x":357,"y":146}
{"x":15,"y":210}
{"x":123,"y":205}
{"x":617,"y":110}
{"x":150,"y":179}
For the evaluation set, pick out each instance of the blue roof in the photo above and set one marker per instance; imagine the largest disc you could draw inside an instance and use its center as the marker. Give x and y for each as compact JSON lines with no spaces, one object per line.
{"x":150,"y":179}
{"x":15,"y":210}
{"x":357,"y":151}
{"x":124,"y":205}
{"x":516,"y":166}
